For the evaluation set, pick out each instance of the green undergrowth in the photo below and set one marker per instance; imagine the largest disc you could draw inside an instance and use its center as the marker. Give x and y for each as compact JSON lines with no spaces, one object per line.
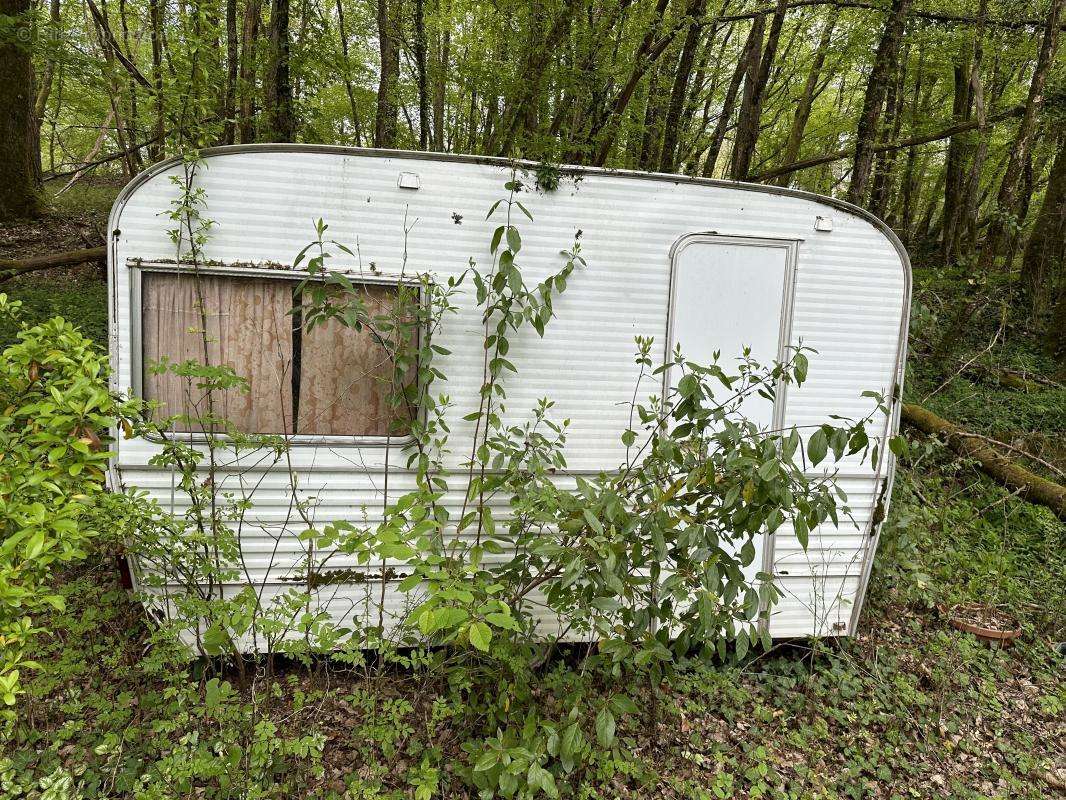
{"x":909,"y":708}
{"x":78,"y":298}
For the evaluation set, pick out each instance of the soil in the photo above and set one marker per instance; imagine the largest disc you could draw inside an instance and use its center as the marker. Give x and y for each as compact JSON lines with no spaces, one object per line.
{"x":70,"y":225}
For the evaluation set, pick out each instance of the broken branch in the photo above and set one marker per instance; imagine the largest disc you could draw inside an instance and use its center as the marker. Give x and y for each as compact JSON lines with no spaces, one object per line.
{"x":11,"y":268}
{"x":1032,"y":487}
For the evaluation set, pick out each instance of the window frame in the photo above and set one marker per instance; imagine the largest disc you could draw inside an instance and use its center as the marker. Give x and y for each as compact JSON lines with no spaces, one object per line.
{"x":138,"y":267}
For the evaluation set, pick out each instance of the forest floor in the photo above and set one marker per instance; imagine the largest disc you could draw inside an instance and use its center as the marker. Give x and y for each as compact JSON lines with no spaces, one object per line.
{"x":910,"y":707}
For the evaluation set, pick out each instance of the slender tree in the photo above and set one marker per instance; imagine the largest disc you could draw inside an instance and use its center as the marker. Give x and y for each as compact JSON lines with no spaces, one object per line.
{"x":388,"y":73}
{"x":156,"y":147}
{"x":679,"y":91}
{"x":725,"y":114}
{"x":346,"y":64}
{"x":756,"y":78}
{"x":229,"y":103}
{"x":1007,"y":200}
{"x":874,"y":98}
{"x":279,"y":123}
{"x":1042,"y":261}
{"x":806,"y":100}
{"x":251,"y":21}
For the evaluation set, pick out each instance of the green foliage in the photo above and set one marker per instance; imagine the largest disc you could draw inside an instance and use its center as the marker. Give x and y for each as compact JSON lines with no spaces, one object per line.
{"x":79,"y":300}
{"x":56,"y":406}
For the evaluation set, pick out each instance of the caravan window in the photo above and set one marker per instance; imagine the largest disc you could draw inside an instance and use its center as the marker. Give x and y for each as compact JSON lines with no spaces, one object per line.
{"x":326,"y":380}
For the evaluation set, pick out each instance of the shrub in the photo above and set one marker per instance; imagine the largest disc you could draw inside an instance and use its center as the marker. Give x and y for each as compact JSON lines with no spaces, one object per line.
{"x":54,"y":408}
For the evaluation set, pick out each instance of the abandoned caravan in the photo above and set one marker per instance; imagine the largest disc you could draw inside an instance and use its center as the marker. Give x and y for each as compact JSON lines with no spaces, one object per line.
{"x":711,"y":267}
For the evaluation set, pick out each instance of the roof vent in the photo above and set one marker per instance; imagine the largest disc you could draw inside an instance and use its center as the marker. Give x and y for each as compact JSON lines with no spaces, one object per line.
{"x":409,"y":180}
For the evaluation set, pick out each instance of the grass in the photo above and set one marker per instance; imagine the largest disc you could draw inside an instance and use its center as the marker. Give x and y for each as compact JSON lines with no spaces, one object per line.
{"x":79,"y":298}
{"x":908,"y":708}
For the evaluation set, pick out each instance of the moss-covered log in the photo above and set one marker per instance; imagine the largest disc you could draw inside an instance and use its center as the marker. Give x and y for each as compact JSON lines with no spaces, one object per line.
{"x":9,"y":269}
{"x":1031,"y":487}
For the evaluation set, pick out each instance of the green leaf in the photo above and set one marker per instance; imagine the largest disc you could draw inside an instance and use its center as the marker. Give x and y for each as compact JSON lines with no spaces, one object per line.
{"x":501,"y":620}
{"x":487,"y":760}
{"x":817,"y":447}
{"x":480,"y":636}
{"x":35,"y":545}
{"x":542,"y":779}
{"x":590,"y":518}
{"x":605,"y":725}
{"x":514,"y":239}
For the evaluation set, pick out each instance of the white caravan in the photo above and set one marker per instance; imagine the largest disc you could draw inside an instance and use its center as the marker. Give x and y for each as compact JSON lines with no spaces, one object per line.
{"x":713,"y":265}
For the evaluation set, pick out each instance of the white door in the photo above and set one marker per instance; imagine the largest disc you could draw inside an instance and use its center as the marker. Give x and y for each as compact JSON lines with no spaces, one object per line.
{"x":730,"y":293}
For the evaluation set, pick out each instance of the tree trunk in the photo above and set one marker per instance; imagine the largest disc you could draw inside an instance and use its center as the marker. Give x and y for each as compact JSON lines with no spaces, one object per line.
{"x":229,"y":104}
{"x":756,"y":78}
{"x":753,"y":42}
{"x":876,"y":88}
{"x":440,"y":86}
{"x":966,"y":227}
{"x":1056,"y":331}
{"x":605,"y":126}
{"x":249,"y":38}
{"x":157,"y":148}
{"x":20,"y":158}
{"x":349,"y":89}
{"x":389,"y":73}
{"x":1046,"y":248}
{"x":654,"y":115}
{"x":955,"y":164}
{"x":44,"y":91}
{"x":999,"y":234}
{"x":914,"y":171}
{"x":9,"y":268}
{"x":501,"y":134}
{"x":421,"y":74}
{"x":679,"y":91}
{"x":134,"y":128}
{"x":1032,"y":487}
{"x":885,"y":161}
{"x":806,"y":101}
{"x":1007,"y":199}
{"x":280,"y":126}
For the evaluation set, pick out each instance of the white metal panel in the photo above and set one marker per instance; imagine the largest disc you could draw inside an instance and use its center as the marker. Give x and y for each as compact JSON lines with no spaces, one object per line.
{"x":851,"y":291}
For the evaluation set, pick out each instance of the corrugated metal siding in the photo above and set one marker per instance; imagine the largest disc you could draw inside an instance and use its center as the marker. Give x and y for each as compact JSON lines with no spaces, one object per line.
{"x":850,"y":299}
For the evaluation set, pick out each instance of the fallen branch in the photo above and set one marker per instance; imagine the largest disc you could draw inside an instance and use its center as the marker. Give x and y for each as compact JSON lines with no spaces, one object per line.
{"x":1032,"y":487}
{"x":1013,"y":380}
{"x":51,"y":176}
{"x":11,"y":268}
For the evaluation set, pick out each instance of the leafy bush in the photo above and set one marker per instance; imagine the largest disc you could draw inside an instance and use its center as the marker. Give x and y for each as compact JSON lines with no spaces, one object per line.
{"x":55,"y":405}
